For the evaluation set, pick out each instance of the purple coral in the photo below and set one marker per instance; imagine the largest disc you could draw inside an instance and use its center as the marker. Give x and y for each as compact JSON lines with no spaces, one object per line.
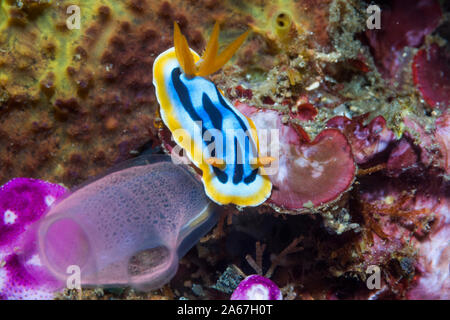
{"x":256,"y":287}
{"x":23,"y":201}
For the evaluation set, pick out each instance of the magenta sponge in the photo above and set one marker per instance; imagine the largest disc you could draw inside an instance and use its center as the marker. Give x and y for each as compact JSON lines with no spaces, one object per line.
{"x":256,"y":287}
{"x":22,"y":202}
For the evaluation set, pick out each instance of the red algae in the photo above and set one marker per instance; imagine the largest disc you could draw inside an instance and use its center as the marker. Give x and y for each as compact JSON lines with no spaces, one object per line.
{"x":401,"y":158}
{"x":304,"y":112}
{"x":367,"y":141}
{"x":433,"y":144}
{"x":405,"y":23}
{"x":308,"y":173}
{"x":433,"y":280}
{"x":443,"y":138}
{"x":409,"y":220}
{"x":323,"y":170}
{"x":431,"y":72}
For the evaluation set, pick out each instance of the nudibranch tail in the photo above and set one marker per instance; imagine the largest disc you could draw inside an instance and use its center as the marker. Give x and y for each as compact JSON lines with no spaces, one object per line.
{"x":215,"y":136}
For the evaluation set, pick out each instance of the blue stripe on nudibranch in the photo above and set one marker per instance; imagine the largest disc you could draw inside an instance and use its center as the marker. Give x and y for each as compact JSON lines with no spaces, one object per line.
{"x":187,"y":100}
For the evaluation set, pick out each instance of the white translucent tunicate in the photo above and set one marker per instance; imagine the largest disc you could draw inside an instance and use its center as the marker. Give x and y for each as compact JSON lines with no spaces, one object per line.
{"x":129,"y":227}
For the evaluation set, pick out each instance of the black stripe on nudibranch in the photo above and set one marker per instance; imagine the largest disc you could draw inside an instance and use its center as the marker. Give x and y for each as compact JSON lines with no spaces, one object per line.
{"x":185,"y":98}
{"x":222,"y":176}
{"x":183,"y":94}
{"x":217,"y":119}
{"x":226,"y":106}
{"x":251,"y":177}
{"x":239,"y":167}
{"x":213,"y":113}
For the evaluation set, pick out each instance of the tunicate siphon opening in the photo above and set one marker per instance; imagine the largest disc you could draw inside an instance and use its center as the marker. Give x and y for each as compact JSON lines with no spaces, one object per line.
{"x":66,"y":244}
{"x":282,"y":23}
{"x":147,"y":261}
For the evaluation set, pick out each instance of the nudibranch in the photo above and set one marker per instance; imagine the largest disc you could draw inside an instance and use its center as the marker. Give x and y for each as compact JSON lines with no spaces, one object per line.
{"x":197,"y":114}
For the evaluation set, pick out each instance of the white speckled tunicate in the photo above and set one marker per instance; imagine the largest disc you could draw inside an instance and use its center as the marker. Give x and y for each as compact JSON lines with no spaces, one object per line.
{"x":129,"y":227}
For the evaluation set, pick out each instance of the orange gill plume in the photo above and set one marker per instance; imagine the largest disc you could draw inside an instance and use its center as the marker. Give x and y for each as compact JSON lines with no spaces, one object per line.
{"x":210,"y":61}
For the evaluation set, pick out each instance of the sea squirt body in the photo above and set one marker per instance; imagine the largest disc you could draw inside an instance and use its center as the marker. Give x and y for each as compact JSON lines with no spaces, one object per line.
{"x":129,"y":227}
